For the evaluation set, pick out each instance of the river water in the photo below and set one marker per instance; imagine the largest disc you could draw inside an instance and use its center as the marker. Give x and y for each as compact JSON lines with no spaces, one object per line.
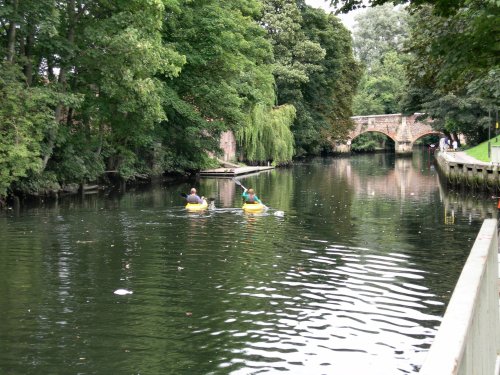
{"x":352,"y":277}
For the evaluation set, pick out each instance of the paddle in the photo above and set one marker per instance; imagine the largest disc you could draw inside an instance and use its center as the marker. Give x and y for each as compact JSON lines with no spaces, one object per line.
{"x":244,"y":188}
{"x":239,"y":183}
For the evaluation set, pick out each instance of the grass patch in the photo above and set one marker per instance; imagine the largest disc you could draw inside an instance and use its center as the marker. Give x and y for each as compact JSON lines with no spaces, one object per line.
{"x":480,"y":152}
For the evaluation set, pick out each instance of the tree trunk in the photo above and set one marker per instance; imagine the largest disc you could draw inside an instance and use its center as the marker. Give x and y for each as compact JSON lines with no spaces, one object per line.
{"x":11,"y":34}
{"x":50,"y":70}
{"x":69,"y":117}
{"x":101,"y":138}
{"x":28,"y":50}
{"x":58,"y":113}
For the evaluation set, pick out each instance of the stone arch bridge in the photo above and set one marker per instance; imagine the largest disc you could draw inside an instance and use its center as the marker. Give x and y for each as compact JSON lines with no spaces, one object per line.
{"x":403,"y":130}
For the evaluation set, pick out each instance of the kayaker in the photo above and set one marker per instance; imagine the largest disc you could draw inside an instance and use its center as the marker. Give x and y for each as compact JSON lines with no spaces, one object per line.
{"x":194,"y":198}
{"x":250,"y":197}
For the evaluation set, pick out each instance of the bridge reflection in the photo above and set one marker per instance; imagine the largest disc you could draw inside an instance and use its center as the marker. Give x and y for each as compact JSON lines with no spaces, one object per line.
{"x":412,"y":179}
{"x":403,"y":181}
{"x":362,"y":178}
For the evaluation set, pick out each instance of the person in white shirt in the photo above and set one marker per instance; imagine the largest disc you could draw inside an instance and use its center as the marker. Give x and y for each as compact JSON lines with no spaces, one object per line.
{"x":442,"y":142}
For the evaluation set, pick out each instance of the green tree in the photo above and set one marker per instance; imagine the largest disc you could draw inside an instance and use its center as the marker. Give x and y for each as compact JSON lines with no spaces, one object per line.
{"x":378,"y":31}
{"x":142,"y":87}
{"x":382,"y":87}
{"x":371,"y":141}
{"x":104,"y":61}
{"x":315,"y":71}
{"x":443,"y":7}
{"x":120,"y":66}
{"x":227,"y":78}
{"x":454,"y":71}
{"x":454,"y":61}
{"x":296,"y":56}
{"x":26,"y":111}
{"x":25,"y":114}
{"x":268,"y":135}
{"x":328,"y":96}
{"x":379,"y":36}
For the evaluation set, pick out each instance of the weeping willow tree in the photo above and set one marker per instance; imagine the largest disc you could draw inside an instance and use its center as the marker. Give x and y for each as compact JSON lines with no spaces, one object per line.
{"x":267,"y":134}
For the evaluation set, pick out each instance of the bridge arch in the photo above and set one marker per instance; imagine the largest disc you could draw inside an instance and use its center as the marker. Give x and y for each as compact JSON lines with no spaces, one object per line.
{"x":372,"y":140}
{"x":434,"y":132}
{"x":374,"y":131}
{"x":403,"y":130}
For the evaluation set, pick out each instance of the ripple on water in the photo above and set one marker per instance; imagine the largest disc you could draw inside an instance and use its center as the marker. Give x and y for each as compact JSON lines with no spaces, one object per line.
{"x":345,"y":304}
{"x":219,"y":291}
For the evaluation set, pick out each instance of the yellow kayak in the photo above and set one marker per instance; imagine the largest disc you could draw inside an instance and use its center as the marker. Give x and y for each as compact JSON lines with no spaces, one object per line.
{"x":197,"y":206}
{"x":253,"y":207}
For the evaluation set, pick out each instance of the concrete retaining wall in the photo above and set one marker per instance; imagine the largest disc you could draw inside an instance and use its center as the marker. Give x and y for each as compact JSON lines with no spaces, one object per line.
{"x":467,"y":342}
{"x":483,"y":176}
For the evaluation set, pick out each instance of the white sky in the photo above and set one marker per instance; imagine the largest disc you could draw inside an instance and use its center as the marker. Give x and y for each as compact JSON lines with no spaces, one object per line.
{"x":347,"y":19}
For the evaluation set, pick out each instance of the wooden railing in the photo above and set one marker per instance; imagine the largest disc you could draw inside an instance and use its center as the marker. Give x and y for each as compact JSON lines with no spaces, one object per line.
{"x":467,"y":341}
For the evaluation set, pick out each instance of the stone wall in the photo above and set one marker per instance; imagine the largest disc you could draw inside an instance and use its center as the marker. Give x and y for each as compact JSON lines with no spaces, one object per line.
{"x":386,"y":124}
{"x":228,"y":146}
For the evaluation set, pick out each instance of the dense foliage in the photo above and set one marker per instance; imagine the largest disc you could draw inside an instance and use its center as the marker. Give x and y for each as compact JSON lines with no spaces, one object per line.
{"x":315,"y":71}
{"x":444,"y":7}
{"x":267,"y":135}
{"x":454,"y":71}
{"x":379,"y":37}
{"x":372,"y":141}
{"x":380,"y":34}
{"x":94,"y":88}
{"x":453,"y":64}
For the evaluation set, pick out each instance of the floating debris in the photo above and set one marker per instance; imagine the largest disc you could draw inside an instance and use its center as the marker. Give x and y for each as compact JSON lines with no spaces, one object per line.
{"x":122,"y":292}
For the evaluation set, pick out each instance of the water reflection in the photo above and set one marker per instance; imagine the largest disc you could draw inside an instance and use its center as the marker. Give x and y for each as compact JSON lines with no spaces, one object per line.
{"x":353,"y":279}
{"x":401,"y":181}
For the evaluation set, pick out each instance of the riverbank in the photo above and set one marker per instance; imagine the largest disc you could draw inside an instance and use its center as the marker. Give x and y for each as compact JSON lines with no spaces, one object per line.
{"x":110,"y":183}
{"x":101,"y":186}
{"x":461,"y":169}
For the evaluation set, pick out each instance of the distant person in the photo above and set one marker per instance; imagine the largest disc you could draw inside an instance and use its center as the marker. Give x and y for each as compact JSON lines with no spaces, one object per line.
{"x":193,"y":197}
{"x":250,"y":197}
{"x":442,"y":142}
{"x":455,"y":145}
{"x":447,"y":145}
